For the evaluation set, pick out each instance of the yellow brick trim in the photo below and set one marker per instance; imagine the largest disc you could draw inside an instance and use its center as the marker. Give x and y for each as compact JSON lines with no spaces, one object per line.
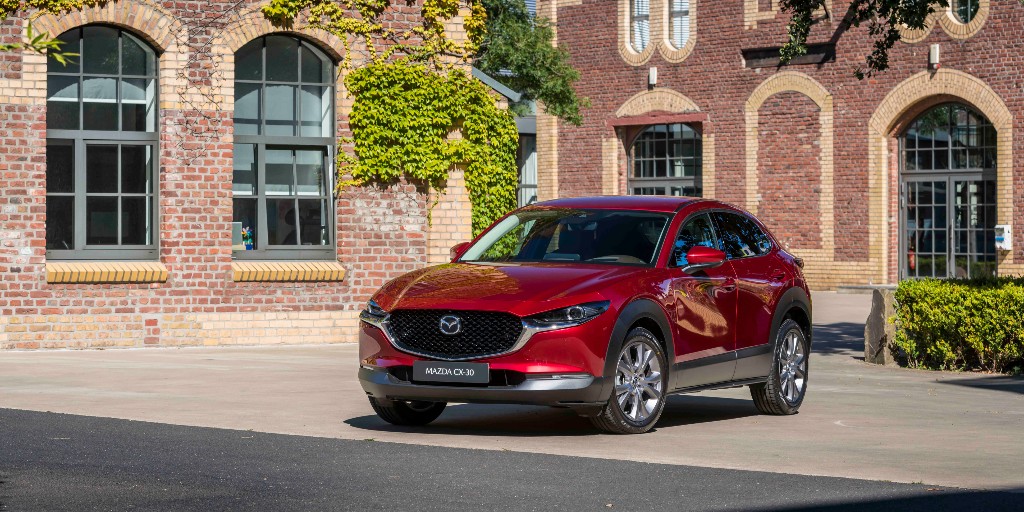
{"x":630,"y":55}
{"x":668,"y":50}
{"x":251,"y":24}
{"x":910,"y":36}
{"x":143,"y":18}
{"x":950,"y":23}
{"x":666,"y":100}
{"x":752,"y":13}
{"x":960,"y":30}
{"x":66,"y":272}
{"x":949,"y":83}
{"x":803,"y":84}
{"x":547,"y":157}
{"x":611,"y":150}
{"x":288,"y":271}
{"x":707,"y":166}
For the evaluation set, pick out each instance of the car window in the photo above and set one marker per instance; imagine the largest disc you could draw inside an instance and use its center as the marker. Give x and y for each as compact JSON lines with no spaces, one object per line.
{"x":740,"y":237}
{"x":696,"y":231}
{"x":568,"y":235}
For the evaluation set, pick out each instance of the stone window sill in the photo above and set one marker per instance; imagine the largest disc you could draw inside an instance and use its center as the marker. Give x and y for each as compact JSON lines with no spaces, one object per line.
{"x":287,"y":271}
{"x":93,"y":272}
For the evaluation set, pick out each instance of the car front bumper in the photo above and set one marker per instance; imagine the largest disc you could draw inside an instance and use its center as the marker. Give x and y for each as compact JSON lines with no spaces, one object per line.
{"x":578,"y":391}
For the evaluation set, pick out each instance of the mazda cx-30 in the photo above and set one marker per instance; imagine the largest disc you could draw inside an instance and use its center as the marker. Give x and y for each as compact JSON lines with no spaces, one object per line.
{"x":603,"y":305}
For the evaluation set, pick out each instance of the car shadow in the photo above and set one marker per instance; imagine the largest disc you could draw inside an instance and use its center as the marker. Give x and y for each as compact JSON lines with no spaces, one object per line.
{"x":1009,"y":384}
{"x":840,"y":338}
{"x":530,"y":421}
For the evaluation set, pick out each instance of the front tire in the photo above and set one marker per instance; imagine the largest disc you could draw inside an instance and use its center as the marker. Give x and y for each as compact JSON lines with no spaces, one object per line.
{"x":641,"y":377}
{"x":411,"y":413}
{"x":784,"y":391}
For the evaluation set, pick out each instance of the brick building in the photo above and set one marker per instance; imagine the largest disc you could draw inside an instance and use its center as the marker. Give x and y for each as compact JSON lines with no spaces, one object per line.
{"x":905,"y":174}
{"x":174,"y":186}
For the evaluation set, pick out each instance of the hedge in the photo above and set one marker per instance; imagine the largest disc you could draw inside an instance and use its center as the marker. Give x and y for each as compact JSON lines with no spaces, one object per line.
{"x":961,"y":324}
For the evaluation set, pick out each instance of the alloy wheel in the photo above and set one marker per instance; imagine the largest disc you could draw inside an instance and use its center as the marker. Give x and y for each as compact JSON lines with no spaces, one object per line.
{"x":638,"y":382}
{"x":792,"y":367}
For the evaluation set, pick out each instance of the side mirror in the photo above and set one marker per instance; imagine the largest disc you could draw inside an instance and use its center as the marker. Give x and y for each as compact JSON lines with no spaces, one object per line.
{"x":457,"y":250}
{"x":701,"y":258}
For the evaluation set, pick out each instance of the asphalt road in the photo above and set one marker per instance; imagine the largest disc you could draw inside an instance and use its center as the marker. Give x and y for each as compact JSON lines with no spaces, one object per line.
{"x":64,"y":462}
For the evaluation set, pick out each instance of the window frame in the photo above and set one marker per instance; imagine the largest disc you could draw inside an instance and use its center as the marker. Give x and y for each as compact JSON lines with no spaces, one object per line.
{"x":81,"y":138}
{"x":262,"y":141}
{"x":950,"y":126}
{"x":955,"y":7}
{"x":695,"y":182}
{"x":672,"y":261}
{"x":772,"y":246}
{"x":633,"y":19}
{"x":527,"y":164}
{"x":672,"y":13}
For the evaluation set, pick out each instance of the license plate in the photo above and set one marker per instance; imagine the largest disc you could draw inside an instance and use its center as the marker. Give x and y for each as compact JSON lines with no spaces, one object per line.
{"x":438,"y":371}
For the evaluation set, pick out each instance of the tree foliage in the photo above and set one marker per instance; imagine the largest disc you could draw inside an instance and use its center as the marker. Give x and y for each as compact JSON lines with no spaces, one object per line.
{"x":519,"y":51}
{"x":884,"y":20}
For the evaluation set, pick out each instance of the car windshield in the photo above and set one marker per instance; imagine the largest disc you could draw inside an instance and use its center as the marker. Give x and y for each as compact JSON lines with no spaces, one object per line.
{"x":621,"y":237}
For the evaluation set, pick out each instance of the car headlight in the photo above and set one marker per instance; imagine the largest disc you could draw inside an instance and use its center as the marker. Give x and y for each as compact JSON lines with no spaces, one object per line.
{"x":374,"y":314}
{"x":567,"y":317}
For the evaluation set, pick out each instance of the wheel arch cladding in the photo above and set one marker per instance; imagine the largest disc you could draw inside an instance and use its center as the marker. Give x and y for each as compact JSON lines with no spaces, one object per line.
{"x":794,"y":304}
{"x":639,"y":313}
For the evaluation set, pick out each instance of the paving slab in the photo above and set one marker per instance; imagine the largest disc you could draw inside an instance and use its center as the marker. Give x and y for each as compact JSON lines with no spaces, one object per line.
{"x":858,"y":420}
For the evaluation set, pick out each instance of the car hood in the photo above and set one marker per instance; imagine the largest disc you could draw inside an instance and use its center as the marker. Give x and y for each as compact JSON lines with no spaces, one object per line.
{"x":522,"y":289}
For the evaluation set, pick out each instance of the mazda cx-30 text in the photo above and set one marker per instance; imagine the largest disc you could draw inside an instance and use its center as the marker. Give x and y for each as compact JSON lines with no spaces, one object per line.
{"x":604,"y":305}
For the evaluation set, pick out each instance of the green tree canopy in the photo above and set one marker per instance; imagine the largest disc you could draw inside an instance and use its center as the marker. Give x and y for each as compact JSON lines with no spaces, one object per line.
{"x":884,"y":20}
{"x":518,"y":50}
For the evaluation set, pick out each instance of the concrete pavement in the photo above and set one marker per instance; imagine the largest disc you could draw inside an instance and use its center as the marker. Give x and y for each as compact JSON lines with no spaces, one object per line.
{"x":858,"y":420}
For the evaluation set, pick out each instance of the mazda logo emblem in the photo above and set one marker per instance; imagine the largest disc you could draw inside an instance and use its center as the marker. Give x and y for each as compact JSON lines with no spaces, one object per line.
{"x":451,"y":325}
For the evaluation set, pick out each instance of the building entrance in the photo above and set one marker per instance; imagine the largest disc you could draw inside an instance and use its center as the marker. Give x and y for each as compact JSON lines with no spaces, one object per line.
{"x":948,"y":195}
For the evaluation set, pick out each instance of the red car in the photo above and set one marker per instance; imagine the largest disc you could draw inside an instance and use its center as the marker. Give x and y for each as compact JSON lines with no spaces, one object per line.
{"x":604,"y":305}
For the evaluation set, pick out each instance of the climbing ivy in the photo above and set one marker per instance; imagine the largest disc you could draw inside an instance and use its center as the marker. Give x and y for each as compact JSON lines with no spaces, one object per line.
{"x":416,"y":113}
{"x":411,"y":121}
{"x":41,"y":42}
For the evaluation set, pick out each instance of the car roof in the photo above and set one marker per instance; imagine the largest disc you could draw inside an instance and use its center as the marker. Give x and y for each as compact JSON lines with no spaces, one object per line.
{"x":646,"y":203}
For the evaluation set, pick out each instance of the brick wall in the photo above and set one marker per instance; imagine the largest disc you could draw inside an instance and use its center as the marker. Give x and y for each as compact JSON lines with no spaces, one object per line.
{"x":853,"y":240}
{"x":381,"y":232}
{"x":788,"y":180}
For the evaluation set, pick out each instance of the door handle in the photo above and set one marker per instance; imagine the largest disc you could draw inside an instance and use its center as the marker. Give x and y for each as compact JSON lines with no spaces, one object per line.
{"x":778,"y":275}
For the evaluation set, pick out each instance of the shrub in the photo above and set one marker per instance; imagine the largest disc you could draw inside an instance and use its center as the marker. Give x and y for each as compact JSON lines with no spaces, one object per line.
{"x":973,"y":324}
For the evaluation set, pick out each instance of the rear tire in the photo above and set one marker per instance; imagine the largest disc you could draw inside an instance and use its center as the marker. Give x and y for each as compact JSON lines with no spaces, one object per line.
{"x":784,"y":391}
{"x":412,"y":413}
{"x":641,"y":379}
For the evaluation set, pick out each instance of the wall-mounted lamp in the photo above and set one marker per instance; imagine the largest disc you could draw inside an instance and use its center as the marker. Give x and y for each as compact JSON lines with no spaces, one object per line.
{"x":933,"y":57}
{"x":652,"y":77}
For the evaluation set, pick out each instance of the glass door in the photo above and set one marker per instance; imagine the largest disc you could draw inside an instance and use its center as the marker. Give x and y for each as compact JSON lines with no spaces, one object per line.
{"x":948,"y":227}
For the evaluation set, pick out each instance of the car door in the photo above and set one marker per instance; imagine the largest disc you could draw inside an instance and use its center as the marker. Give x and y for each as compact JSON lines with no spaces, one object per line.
{"x":703,"y":309}
{"x":760,"y":280}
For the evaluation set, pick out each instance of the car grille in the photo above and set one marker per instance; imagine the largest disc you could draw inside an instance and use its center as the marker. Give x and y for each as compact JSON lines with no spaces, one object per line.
{"x":482,"y":333}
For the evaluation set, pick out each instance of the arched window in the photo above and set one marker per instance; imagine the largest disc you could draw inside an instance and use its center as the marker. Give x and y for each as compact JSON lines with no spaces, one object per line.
{"x":948,"y":194}
{"x":679,"y":22}
{"x":965,"y":10}
{"x":640,"y":24}
{"x":950,"y":137}
{"x":666,"y":160}
{"x":284,"y":140}
{"x":101,"y":147}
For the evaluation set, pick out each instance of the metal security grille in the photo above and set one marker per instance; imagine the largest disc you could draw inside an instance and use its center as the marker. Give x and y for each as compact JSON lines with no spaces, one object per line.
{"x":483,"y":333}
